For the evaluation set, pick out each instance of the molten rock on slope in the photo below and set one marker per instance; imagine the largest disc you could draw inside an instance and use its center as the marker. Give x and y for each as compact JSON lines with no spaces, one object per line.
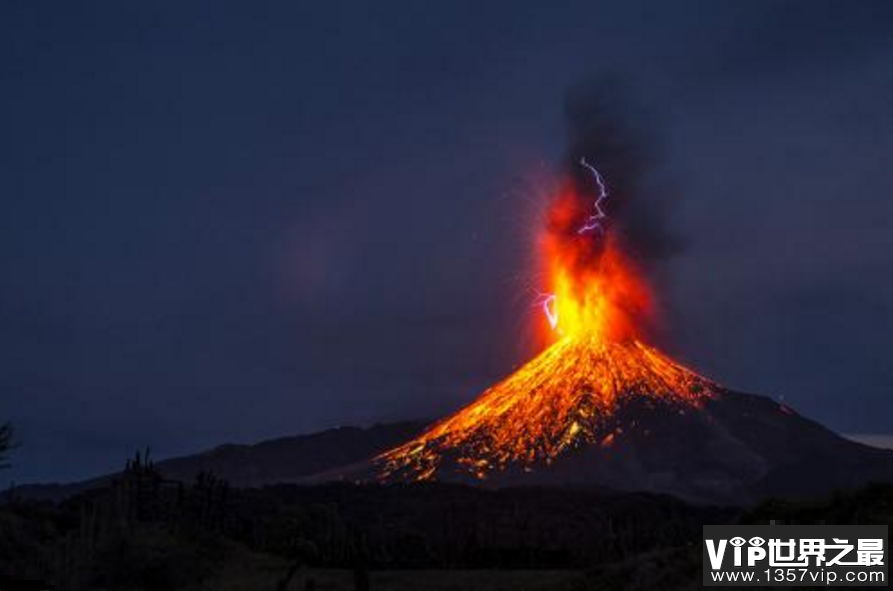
{"x":567,"y":397}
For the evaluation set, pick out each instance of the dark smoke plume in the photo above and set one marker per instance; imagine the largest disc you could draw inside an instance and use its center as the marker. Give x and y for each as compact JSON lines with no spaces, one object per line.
{"x":606,"y":129}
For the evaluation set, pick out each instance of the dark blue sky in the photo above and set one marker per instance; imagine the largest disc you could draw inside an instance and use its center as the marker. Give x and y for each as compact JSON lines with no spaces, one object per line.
{"x":224,"y":222}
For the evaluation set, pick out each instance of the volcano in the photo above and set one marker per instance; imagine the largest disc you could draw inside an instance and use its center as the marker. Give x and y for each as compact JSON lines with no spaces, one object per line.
{"x":626,"y":417}
{"x":602,"y":407}
{"x":567,"y":397}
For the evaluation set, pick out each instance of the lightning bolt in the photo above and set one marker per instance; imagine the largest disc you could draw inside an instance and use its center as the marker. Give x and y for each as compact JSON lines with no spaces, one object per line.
{"x":548,"y":302}
{"x":594,"y":221}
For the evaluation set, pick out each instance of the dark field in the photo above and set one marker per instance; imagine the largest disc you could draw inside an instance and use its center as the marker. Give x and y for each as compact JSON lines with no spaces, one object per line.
{"x":144,"y":532}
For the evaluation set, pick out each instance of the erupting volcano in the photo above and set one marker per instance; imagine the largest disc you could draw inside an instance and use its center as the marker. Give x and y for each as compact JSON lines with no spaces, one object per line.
{"x":568,"y":395}
{"x":600,"y":406}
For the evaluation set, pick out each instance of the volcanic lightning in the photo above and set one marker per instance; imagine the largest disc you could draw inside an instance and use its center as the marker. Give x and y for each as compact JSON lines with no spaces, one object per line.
{"x":594,"y":221}
{"x":598,"y":306}
{"x":546,"y":301}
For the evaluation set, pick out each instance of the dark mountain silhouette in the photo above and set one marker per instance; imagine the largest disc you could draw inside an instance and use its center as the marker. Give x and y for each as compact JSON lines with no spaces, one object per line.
{"x":290,"y":459}
{"x":282,"y":460}
{"x":733,"y":449}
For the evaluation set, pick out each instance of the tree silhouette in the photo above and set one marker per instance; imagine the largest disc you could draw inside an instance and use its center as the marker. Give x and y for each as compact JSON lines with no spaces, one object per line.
{"x":7,"y":444}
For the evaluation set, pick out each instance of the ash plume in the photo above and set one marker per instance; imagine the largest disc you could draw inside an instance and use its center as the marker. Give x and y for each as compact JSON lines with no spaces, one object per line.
{"x":606,"y":129}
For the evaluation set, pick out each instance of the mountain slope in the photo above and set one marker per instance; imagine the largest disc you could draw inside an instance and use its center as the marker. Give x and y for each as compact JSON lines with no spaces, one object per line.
{"x":729,"y":448}
{"x":290,"y":459}
{"x":287,"y":459}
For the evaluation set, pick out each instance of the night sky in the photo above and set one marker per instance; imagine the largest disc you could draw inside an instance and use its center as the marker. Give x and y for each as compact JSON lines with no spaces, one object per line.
{"x":221,"y":222}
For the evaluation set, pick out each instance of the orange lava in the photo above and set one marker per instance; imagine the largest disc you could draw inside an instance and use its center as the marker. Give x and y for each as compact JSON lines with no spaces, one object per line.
{"x":568,"y":395}
{"x":563,"y":398}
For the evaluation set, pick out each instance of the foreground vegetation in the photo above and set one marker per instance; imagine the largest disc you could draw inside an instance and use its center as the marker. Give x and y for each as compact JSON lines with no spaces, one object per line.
{"x":143,"y":532}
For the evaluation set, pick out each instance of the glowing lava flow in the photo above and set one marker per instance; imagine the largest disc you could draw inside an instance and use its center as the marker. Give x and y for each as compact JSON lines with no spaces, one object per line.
{"x":570,"y":394}
{"x":563,"y":398}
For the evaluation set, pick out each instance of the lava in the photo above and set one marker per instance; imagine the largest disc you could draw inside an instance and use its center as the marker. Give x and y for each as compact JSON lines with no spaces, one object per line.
{"x":598,"y":308}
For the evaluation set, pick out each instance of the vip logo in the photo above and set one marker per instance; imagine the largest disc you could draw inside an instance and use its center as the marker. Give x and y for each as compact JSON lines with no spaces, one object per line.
{"x":754,"y":553}
{"x":794,"y":552}
{"x":834,"y":555}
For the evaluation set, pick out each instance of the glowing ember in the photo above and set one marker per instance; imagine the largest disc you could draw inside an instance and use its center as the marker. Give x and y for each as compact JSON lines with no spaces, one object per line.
{"x":568,"y":395}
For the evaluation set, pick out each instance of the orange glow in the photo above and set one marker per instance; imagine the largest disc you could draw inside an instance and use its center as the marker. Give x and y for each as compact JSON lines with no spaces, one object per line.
{"x":598,"y":291}
{"x":568,"y":395}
